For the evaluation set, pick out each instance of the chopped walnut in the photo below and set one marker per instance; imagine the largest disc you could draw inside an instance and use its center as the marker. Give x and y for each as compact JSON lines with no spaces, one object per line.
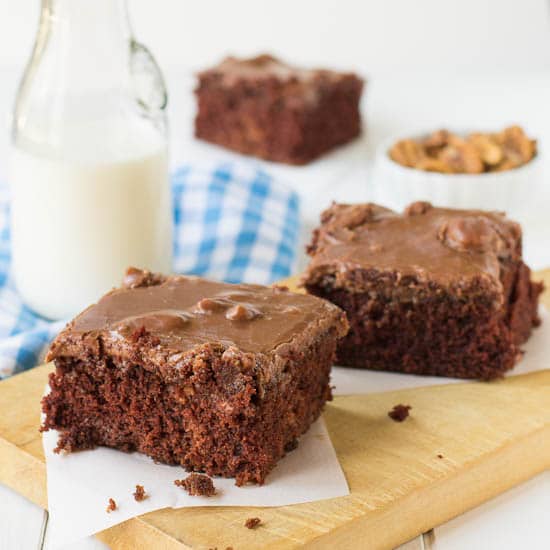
{"x":407,"y":152}
{"x":461,"y":157}
{"x":433,"y":165}
{"x":475,"y":153}
{"x":518,"y":148}
{"x":488,"y":149}
{"x":437,"y":140}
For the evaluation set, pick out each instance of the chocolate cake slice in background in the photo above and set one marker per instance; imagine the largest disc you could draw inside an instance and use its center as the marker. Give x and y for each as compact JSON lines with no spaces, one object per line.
{"x":215,"y":377}
{"x":430,"y":291}
{"x":266,"y":108}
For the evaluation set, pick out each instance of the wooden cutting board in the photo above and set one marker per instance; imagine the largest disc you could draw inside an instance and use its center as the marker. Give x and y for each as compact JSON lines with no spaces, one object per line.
{"x":462,"y":445}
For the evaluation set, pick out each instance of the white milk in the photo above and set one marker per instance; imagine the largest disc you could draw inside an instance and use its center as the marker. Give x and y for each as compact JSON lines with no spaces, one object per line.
{"x":78,"y":224}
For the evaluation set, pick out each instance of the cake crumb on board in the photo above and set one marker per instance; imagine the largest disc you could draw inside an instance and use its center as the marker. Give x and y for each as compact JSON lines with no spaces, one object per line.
{"x":111,"y":507}
{"x":399,"y":412}
{"x":252,"y":523}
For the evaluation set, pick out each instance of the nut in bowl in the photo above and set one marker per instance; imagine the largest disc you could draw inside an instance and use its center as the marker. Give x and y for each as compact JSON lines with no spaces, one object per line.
{"x":475,"y":169}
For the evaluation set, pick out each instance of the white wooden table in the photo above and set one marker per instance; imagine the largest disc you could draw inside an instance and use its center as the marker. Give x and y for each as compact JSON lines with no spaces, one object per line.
{"x":394,"y":105}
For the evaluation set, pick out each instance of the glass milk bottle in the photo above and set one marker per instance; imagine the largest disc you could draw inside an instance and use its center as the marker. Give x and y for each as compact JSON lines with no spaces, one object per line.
{"x":89,"y":167}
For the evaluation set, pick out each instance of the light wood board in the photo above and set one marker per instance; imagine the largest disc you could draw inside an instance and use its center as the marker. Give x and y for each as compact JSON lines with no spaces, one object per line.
{"x":491,"y":436}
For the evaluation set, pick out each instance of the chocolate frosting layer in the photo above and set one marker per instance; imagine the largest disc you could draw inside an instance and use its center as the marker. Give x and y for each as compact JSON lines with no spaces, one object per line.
{"x":233,"y":69}
{"x":187,"y":311}
{"x":443,"y":245}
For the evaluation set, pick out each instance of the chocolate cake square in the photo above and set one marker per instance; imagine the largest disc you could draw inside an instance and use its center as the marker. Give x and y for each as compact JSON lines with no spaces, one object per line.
{"x":268,"y":109}
{"x":431,"y":291}
{"x":217,"y":378}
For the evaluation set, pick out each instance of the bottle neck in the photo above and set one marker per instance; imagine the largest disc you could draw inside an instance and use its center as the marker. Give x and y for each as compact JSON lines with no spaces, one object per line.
{"x":86,"y":39}
{"x":87,"y":76}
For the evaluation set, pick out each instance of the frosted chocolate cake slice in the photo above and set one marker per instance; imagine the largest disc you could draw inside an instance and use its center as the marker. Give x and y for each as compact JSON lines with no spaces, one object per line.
{"x":430,"y":291}
{"x":266,"y":108}
{"x":215,"y":377}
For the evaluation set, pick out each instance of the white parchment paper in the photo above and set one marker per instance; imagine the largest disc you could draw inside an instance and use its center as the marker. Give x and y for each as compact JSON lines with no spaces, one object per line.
{"x":80,"y":485}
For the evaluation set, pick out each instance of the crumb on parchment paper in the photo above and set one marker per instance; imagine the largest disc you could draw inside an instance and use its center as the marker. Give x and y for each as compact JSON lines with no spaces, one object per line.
{"x":197,"y":485}
{"x":139,"y":493}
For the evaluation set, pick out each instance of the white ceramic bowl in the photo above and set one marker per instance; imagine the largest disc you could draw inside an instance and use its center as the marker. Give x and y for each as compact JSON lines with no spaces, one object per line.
{"x":512,"y":191}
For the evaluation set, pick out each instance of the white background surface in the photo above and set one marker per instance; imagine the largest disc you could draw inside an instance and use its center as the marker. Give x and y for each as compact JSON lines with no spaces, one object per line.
{"x":373,"y":36}
{"x":473,"y":63}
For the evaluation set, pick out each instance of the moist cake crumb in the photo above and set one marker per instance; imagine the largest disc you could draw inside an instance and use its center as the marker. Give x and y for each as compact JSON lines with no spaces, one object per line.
{"x":399,"y":412}
{"x":139,"y":494}
{"x":252,"y":523}
{"x":197,"y":485}
{"x":111,"y":507}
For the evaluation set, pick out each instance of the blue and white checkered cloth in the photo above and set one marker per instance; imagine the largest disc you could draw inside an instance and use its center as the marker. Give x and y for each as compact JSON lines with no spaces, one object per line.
{"x":232,"y":223}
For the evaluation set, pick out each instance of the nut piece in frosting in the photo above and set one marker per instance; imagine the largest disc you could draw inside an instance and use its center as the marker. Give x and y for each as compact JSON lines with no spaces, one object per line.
{"x":417,"y":208}
{"x":471,"y":233}
{"x":161,"y":321}
{"x":241,"y":313}
{"x":135,"y":278}
{"x":208,"y":305}
{"x":350,"y":216}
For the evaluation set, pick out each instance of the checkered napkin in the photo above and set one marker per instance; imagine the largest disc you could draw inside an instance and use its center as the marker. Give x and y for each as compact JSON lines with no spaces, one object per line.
{"x":232,"y":223}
